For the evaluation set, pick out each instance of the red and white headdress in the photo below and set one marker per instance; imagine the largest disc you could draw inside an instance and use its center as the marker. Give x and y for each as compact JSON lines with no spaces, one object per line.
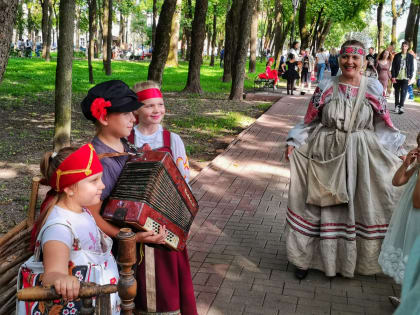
{"x":79,"y":165}
{"x":352,"y":50}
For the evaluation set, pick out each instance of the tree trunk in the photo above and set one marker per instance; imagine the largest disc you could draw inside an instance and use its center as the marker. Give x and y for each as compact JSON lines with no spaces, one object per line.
{"x":238,"y":69}
{"x":57,"y":21}
{"x":213,"y":41}
{"x":30,"y":22}
{"x":379,"y":15}
{"x":416,"y":30}
{"x":63,"y":79}
{"x":304,"y":32}
{"x":8,"y":11}
{"x":172,"y":60}
{"x":161,"y":49}
{"x":100,"y":36}
{"x":107,"y":36}
{"x":183,"y":42}
{"x":411,"y":20}
{"x":77,"y":46}
{"x":122,"y":30}
{"x":227,"y":59}
{"x":208,"y":41}
{"x":187,"y":29}
{"x":325,"y":30}
{"x":268,"y":34}
{"x":198,"y":35}
{"x":154,"y":18}
{"x":44,"y":25}
{"x":278,"y":27}
{"x":49,"y":31}
{"x":314,"y":47}
{"x":253,"y":40}
{"x":92,"y":32}
{"x":394,"y":23}
{"x":395,"y":15}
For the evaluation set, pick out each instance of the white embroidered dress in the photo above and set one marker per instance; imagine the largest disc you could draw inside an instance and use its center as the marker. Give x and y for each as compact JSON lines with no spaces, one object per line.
{"x":155,"y":141}
{"x":346,"y":238}
{"x":90,"y":259}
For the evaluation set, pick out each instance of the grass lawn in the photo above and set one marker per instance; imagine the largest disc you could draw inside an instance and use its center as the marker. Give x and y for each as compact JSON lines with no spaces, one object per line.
{"x":26,"y":76}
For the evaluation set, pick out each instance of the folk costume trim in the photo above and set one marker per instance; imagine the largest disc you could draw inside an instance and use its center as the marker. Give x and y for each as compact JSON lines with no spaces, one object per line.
{"x":335,"y":230}
{"x":74,"y":168}
{"x":149,"y":93}
{"x":149,"y":253}
{"x":352,"y":50}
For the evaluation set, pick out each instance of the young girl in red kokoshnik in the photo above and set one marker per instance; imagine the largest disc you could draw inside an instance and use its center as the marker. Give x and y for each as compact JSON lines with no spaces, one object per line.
{"x":69,"y":244}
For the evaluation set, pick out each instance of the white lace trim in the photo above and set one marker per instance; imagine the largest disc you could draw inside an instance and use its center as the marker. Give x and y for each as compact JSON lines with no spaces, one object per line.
{"x":393,"y":262}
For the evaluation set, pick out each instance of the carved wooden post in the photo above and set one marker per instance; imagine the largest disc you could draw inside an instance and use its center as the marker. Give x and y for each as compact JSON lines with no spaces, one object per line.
{"x":87,"y":306}
{"x":127,"y":285}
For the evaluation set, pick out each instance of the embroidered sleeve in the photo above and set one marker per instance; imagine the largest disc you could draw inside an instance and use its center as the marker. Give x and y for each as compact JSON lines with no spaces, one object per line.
{"x":319,"y":99}
{"x":180,"y":156}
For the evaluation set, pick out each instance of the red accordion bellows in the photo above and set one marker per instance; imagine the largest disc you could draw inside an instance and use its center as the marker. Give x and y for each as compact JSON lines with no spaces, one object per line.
{"x":151,"y":192}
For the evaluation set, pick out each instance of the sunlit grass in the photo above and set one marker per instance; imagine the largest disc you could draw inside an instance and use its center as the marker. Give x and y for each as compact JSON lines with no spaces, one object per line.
{"x":26,"y":76}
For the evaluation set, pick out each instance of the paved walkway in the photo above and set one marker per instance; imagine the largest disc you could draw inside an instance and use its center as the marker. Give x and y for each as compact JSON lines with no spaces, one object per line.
{"x":237,"y":252}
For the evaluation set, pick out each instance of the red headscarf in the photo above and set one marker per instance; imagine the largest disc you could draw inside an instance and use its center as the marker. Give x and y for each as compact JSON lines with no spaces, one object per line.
{"x":79,"y":165}
{"x":148,"y":93}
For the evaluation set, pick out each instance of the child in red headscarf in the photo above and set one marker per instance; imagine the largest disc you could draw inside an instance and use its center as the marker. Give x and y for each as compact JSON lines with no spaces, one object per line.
{"x":69,"y":246}
{"x":270,"y":74}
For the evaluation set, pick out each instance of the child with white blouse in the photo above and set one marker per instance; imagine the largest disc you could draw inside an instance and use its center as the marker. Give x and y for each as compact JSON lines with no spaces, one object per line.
{"x":149,"y":129}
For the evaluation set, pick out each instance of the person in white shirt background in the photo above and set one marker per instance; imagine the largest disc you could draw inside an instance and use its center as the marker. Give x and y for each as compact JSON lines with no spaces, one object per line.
{"x":321,"y":64}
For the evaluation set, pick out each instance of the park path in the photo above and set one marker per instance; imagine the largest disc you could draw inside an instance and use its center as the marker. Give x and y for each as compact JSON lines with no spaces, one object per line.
{"x":237,"y":251}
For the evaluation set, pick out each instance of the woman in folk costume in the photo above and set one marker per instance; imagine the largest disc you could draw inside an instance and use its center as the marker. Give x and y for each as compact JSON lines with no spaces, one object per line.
{"x":270,"y":74}
{"x":164,"y":276}
{"x":345,"y":176}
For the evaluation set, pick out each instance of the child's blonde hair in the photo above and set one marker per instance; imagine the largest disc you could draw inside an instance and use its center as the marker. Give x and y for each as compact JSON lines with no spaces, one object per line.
{"x":140,"y":86}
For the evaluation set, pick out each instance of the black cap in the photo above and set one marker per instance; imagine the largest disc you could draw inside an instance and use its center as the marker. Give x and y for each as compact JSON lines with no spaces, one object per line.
{"x":122,"y":98}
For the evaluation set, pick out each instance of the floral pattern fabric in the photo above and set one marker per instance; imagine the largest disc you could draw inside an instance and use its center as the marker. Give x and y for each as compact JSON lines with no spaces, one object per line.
{"x":86,"y":265}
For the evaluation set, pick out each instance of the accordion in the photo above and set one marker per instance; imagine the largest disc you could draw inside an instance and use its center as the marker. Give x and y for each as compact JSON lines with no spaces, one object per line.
{"x":151,"y":192}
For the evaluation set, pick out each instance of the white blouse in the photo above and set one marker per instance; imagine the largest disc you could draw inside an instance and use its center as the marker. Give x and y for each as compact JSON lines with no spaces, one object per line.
{"x":155,"y":141}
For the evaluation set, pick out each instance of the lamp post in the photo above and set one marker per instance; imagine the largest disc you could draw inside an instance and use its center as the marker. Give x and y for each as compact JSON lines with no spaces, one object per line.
{"x":295,"y":4}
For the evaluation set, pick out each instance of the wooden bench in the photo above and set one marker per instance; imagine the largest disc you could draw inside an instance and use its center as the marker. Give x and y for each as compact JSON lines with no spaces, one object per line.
{"x":263,"y":84}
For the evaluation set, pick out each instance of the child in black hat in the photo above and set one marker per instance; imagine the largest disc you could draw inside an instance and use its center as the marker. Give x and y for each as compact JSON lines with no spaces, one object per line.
{"x":110,"y":105}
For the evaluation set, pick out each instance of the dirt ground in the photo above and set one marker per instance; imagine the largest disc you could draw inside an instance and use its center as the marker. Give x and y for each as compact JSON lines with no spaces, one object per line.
{"x":27,"y":127}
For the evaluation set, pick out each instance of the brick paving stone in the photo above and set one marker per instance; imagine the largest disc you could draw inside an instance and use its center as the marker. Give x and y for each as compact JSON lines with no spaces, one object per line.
{"x":336,"y":306}
{"x":237,"y":244}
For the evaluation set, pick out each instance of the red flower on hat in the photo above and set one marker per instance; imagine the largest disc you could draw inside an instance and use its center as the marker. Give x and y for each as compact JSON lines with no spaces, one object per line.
{"x":361,"y":51}
{"x":98,"y":108}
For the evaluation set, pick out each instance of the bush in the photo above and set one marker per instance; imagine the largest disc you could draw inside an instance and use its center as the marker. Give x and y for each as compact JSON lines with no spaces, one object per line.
{"x":79,"y":54}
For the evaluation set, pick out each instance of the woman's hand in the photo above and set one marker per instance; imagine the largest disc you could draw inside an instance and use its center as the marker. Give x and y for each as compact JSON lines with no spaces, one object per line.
{"x":67,"y":286}
{"x":411,"y":157}
{"x":288,"y":152}
{"x":152,"y":237}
